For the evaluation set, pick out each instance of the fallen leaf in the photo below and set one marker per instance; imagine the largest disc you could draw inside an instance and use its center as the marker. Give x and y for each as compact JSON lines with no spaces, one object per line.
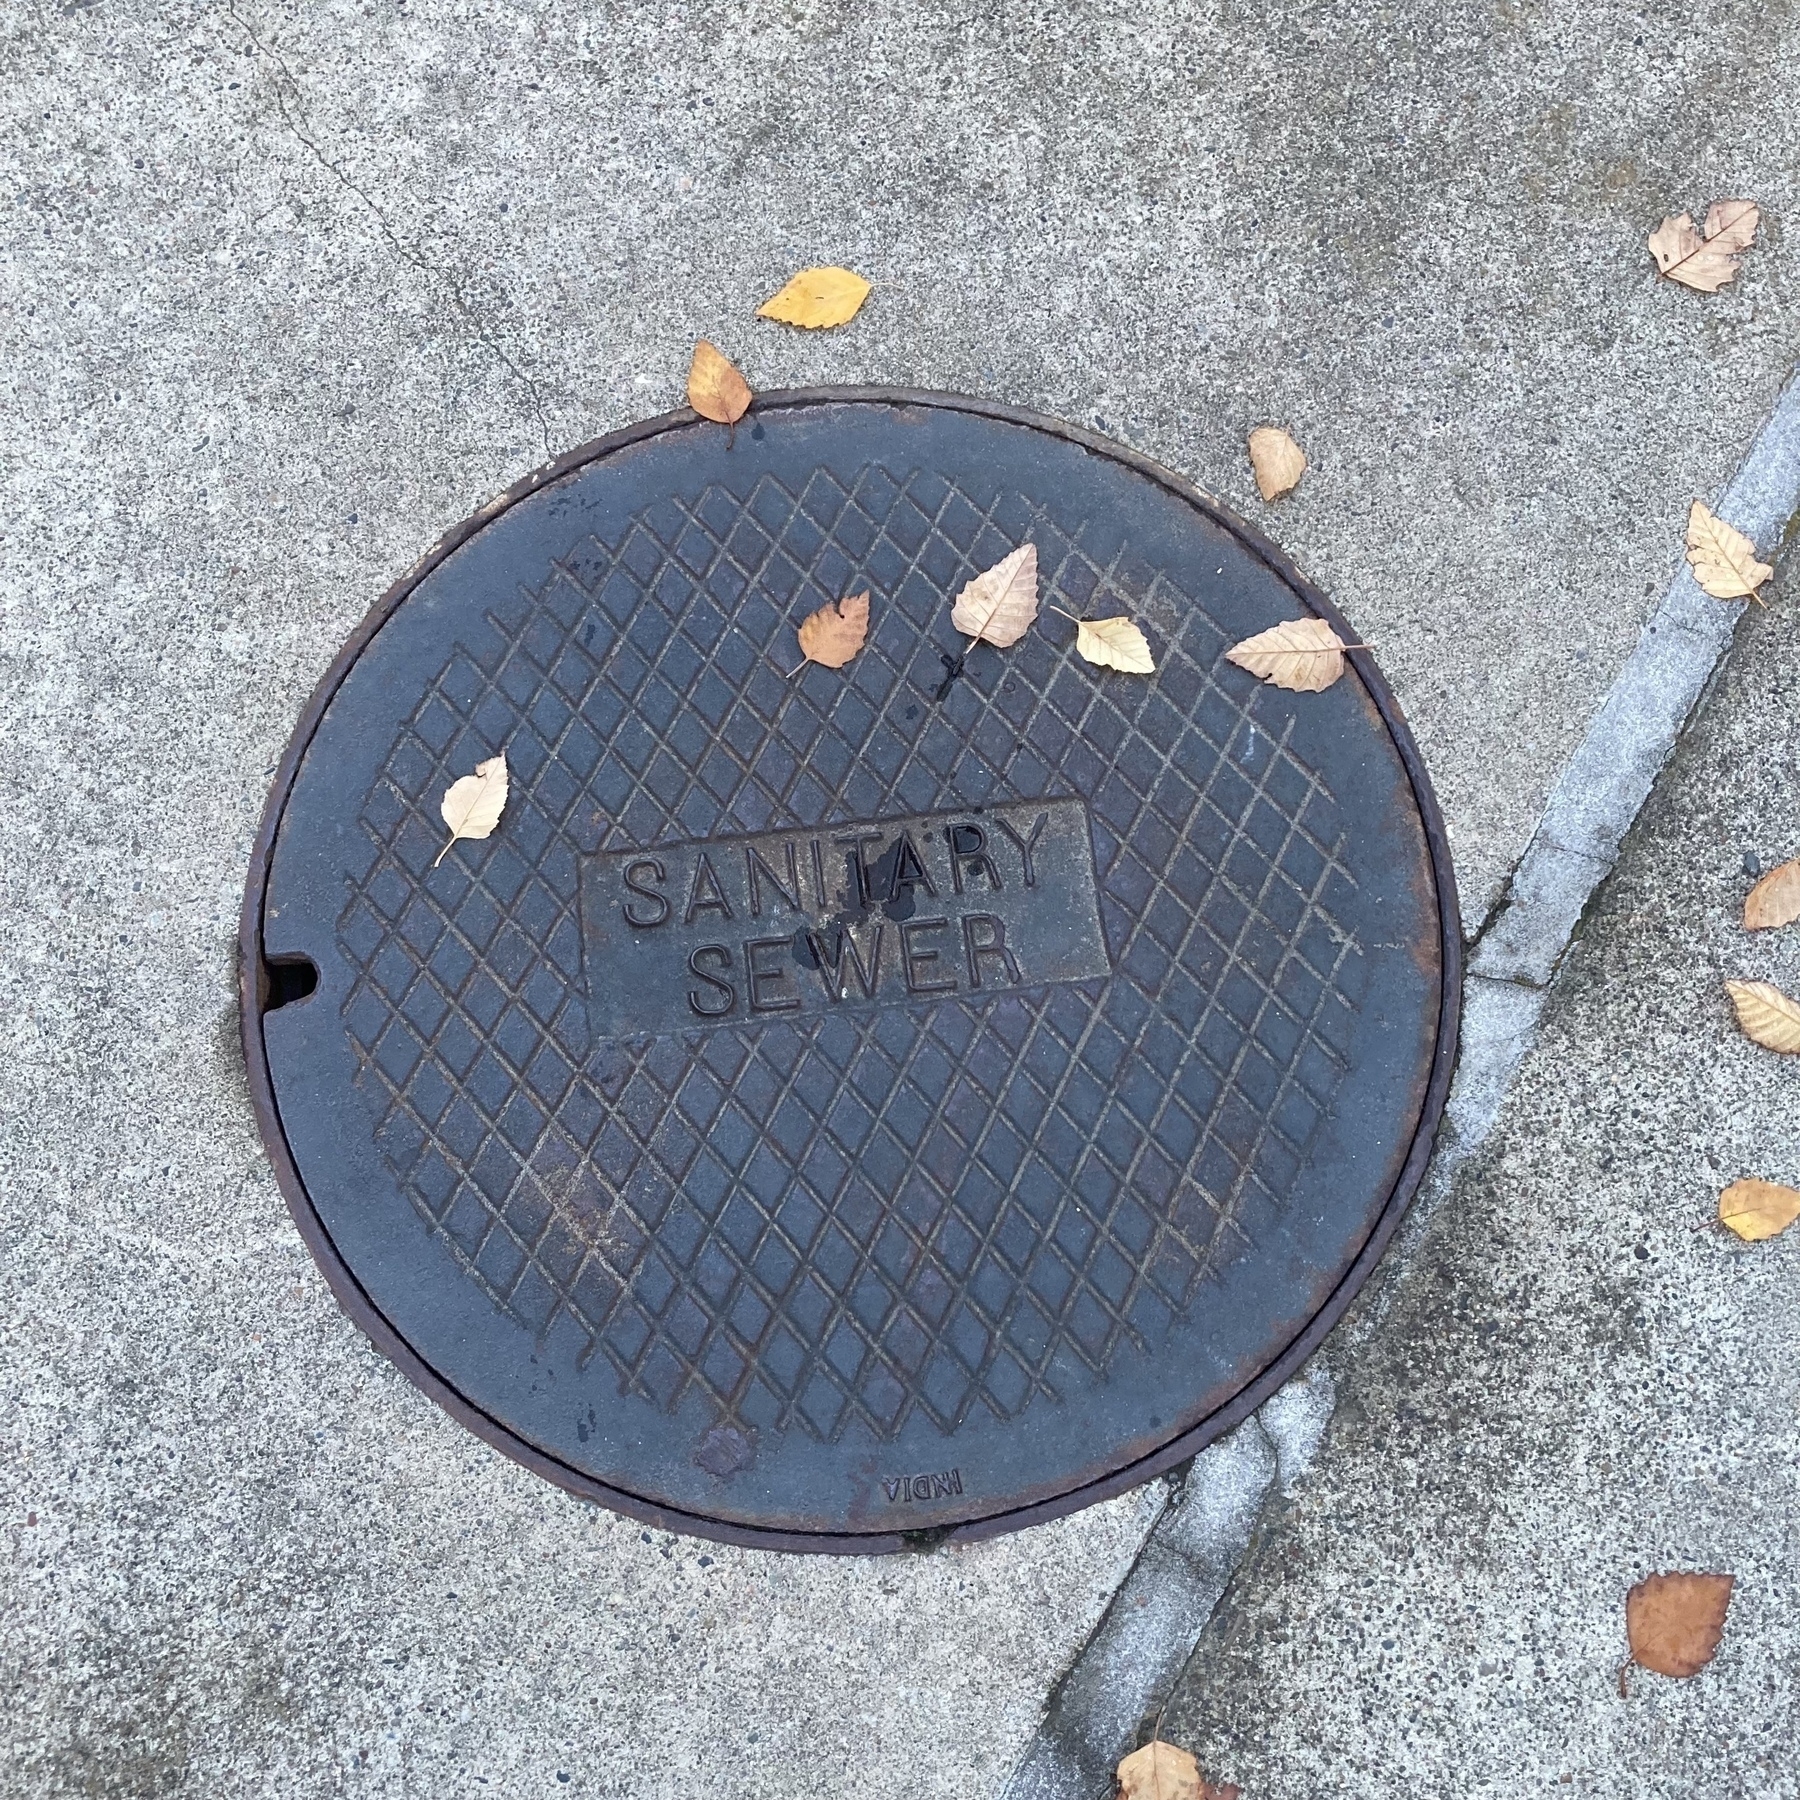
{"x":1303,"y":654}
{"x":1705,"y":260}
{"x":1674,"y":1622}
{"x":816,"y":298}
{"x":1114,"y":644}
{"x":1767,"y":1016}
{"x":1775,"y":900}
{"x":1759,"y":1209}
{"x":715,"y":389}
{"x":998,"y":606}
{"x":1278,"y":461}
{"x":1724,"y":560}
{"x":1159,"y":1771}
{"x":472,"y":805}
{"x":836,"y":631}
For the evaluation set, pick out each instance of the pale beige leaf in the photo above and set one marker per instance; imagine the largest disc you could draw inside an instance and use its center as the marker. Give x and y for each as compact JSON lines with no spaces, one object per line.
{"x":715,"y":389}
{"x":472,"y":805}
{"x":816,"y":298}
{"x":1723,"y":559}
{"x":1766,"y":1015}
{"x":1303,"y":654}
{"x":1159,"y":1771}
{"x":1759,"y":1209}
{"x":836,"y":631}
{"x":1114,"y":644}
{"x":1674,"y":1622}
{"x":998,"y":606}
{"x":1775,"y":900}
{"x":1708,"y":260}
{"x":1277,"y":460}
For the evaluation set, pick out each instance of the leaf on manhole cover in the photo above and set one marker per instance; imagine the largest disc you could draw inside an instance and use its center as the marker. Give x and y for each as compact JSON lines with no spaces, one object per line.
{"x":816,"y":298}
{"x":1303,"y":654}
{"x":1723,"y":559}
{"x":1113,"y":644}
{"x":472,"y":805}
{"x":836,"y":632}
{"x":998,"y":605}
{"x":1277,"y":460}
{"x":1775,"y":900}
{"x":1159,"y":1771}
{"x":1759,"y":1209}
{"x":715,"y":389}
{"x":1674,"y":1622}
{"x":1766,"y":1015}
{"x":1705,"y":259}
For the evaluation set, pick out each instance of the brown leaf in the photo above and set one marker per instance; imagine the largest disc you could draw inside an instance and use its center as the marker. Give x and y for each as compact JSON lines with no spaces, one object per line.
{"x":1759,"y":1209}
{"x":1114,"y":644}
{"x":1775,"y":900}
{"x":998,"y":606}
{"x":1159,"y":1771}
{"x":1766,"y":1015}
{"x":1705,"y":260}
{"x":836,"y":631}
{"x":1277,"y":460}
{"x":472,"y":805}
{"x":1674,"y":1622}
{"x":817,"y":298}
{"x":1305,"y":655}
{"x":1723,"y":559}
{"x":716,"y":390}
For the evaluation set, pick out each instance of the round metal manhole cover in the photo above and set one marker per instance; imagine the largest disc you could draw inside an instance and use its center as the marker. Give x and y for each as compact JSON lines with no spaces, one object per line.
{"x":835,"y":1106}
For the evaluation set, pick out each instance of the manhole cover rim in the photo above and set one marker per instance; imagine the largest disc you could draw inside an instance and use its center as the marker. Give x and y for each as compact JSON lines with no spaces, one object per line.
{"x":357,"y":1302}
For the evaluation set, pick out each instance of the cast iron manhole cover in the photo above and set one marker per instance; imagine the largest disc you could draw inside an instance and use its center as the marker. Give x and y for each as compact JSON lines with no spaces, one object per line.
{"x":839,"y":1106}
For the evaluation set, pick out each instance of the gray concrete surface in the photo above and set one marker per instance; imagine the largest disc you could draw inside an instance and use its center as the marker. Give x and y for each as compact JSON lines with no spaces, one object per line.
{"x":292,"y":289}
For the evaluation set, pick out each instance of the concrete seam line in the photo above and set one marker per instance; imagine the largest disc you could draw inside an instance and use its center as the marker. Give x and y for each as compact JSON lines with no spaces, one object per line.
{"x":1127,"y":1665}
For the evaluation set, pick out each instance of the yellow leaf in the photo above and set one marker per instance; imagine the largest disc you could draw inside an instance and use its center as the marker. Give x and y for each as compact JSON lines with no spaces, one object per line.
{"x":1114,"y":644}
{"x":836,"y":632}
{"x":1159,"y":1771}
{"x":1277,"y":460}
{"x":1303,"y":654}
{"x":1766,"y":1015}
{"x":816,"y":298}
{"x":1674,"y":1622}
{"x":999,"y":605}
{"x":715,"y":389}
{"x":1759,"y":1209}
{"x":472,"y":805}
{"x":1705,"y":260}
{"x":1724,"y":560}
{"x":1775,"y":900}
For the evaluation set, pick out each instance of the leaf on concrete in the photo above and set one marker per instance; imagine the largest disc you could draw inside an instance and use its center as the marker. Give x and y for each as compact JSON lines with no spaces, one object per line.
{"x":1759,"y":1209}
{"x":836,"y":632}
{"x":1278,"y":461}
{"x":998,"y":606}
{"x":472,"y":805}
{"x":1674,"y":1622}
{"x":1775,"y":900}
{"x":1159,"y":1771}
{"x":1724,"y":560}
{"x":1708,"y":259}
{"x":816,"y":298}
{"x":1303,"y":654}
{"x":1766,"y":1015}
{"x":716,"y":390}
{"x":1114,"y":644}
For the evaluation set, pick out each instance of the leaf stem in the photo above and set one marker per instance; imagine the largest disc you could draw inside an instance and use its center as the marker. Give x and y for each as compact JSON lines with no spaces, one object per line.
{"x":445,"y":851}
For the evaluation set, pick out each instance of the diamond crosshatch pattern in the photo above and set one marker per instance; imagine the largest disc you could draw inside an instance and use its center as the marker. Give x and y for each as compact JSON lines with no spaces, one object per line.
{"x":833,"y":1224}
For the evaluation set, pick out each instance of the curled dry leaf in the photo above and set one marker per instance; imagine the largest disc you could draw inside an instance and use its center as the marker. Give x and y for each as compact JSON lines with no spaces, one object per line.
{"x":1278,"y":461}
{"x":1114,"y":644}
{"x":998,"y":606}
{"x":1723,"y":559}
{"x":715,"y":389}
{"x":1775,"y":900}
{"x":1674,"y":1622}
{"x":1159,"y":1771}
{"x":1766,"y":1015}
{"x":816,"y":298}
{"x":1303,"y":654}
{"x":1707,"y":259}
{"x":836,"y":632}
{"x":1758,"y":1209}
{"x":472,"y":805}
